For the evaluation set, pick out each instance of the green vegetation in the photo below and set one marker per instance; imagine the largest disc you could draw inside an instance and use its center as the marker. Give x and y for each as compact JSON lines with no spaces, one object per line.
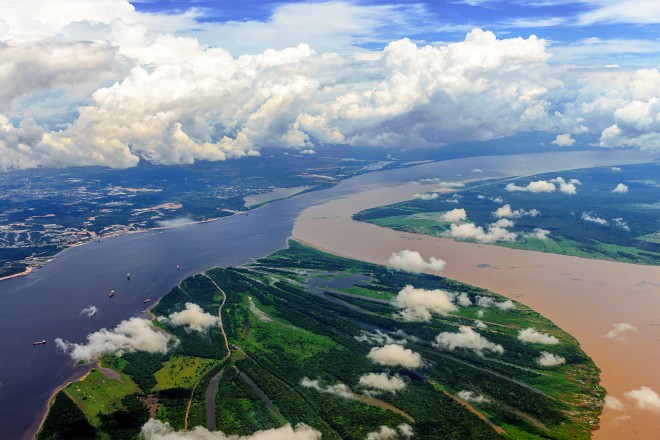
{"x":627,"y":229}
{"x":301,"y":313}
{"x":182,"y":372}
{"x":99,"y":394}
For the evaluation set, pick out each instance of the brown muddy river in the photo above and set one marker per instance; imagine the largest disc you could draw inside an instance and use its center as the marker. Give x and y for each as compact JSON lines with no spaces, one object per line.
{"x":585,"y":297}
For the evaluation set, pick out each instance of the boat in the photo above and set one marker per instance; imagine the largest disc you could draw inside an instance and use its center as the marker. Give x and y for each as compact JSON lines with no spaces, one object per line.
{"x":42,"y":342}
{"x":92,"y":314}
{"x":146,"y":300}
{"x":128,"y":276}
{"x":178,"y":267}
{"x":111,"y":294}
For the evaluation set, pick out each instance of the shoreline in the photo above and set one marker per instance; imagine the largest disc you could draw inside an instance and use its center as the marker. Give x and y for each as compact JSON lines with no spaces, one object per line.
{"x":584,"y":297}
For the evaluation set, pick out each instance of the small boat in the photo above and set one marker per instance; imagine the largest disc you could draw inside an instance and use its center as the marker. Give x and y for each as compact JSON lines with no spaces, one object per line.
{"x":42,"y":342}
{"x":178,"y":267}
{"x":146,"y":300}
{"x":128,"y":276}
{"x":92,"y":314}
{"x":111,"y":294}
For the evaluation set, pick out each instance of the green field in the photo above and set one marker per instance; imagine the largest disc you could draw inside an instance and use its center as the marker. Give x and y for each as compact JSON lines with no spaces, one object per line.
{"x":182,"y":372}
{"x":629,"y":228}
{"x":99,"y":394}
{"x":302,"y":325}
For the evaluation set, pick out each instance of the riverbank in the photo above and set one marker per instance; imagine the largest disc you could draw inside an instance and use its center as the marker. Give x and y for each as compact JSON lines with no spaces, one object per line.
{"x":584,"y":297}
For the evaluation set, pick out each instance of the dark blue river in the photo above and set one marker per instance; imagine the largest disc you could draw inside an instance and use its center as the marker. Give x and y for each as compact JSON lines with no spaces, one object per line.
{"x":47,"y":303}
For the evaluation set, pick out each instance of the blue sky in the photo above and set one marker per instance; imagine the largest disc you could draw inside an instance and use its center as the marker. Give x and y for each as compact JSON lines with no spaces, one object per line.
{"x":581,"y":32}
{"x":113,"y":82}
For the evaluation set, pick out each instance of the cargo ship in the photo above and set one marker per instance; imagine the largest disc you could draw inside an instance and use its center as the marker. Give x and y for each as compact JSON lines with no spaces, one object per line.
{"x":42,"y":342}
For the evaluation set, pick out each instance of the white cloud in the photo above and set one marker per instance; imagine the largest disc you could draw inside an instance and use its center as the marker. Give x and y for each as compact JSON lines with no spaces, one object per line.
{"x":620,"y":189}
{"x":480,"y":313}
{"x":398,"y":337}
{"x":619,"y":329}
{"x":382,"y":382}
{"x":454,"y":216}
{"x":645,"y":398}
{"x":564,"y":140}
{"x":412,"y":261}
{"x":89,"y":311}
{"x":469,"y":339}
{"x":418,"y":304}
{"x":307,"y":151}
{"x":463,"y":299}
{"x":470,"y":231}
{"x":621,"y":223}
{"x":193,"y":317}
{"x":339,"y":389}
{"x":588,"y":217}
{"x":533,"y":336}
{"x":505,"y":211}
{"x":491,"y":303}
{"x":441,"y":183}
{"x":157,"y":430}
{"x":135,"y":334}
{"x":477,"y":170}
{"x":550,"y":360}
{"x":539,"y":186}
{"x":386,"y":433}
{"x":426,"y":196}
{"x":541,"y":234}
{"x":472,"y":397}
{"x":615,"y":169}
{"x":615,"y":404}
{"x":480,"y":324}
{"x":395,"y":355}
{"x":565,"y":187}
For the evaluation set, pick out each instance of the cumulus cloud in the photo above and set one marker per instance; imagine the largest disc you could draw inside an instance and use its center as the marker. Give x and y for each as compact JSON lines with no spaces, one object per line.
{"x":454,"y":216}
{"x":157,"y":430}
{"x":462,"y":299}
{"x":472,"y":397}
{"x":621,"y":223}
{"x":480,"y":324}
{"x":412,"y":261}
{"x":564,"y":140}
{"x":488,"y":302}
{"x":539,"y":186}
{"x":193,"y":317}
{"x":339,"y":389}
{"x":619,"y":329}
{"x":505,"y":211}
{"x":620,"y":189}
{"x":589,"y":217}
{"x":541,"y":234}
{"x":550,"y":360}
{"x":613,"y":403}
{"x":565,"y":187}
{"x":470,"y":231}
{"x":382,"y":382}
{"x":89,"y":311}
{"x":426,"y":196}
{"x":477,"y":170}
{"x":307,"y":151}
{"x":645,"y":398}
{"x":135,"y":334}
{"x":386,"y":433}
{"x":378,"y":337}
{"x":418,"y":304}
{"x":395,"y":355}
{"x":468,"y":339}
{"x":533,"y":336}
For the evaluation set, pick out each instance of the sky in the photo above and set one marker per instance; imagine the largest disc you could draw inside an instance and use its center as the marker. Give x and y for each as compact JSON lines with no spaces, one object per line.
{"x":113,"y":82}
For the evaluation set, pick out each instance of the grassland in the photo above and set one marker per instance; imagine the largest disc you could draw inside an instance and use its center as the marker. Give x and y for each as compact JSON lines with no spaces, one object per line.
{"x":624,"y":227}
{"x":301,"y":313}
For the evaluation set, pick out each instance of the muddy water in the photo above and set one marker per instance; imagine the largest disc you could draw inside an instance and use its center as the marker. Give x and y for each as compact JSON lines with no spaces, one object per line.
{"x":585,"y":297}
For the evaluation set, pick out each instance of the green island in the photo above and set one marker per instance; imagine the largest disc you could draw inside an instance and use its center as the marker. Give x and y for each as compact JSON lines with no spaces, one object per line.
{"x":304,"y":332}
{"x":594,"y":222}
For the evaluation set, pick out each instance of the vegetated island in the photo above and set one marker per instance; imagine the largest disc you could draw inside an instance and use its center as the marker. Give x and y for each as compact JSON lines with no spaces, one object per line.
{"x":347,"y":348}
{"x":608,"y":213}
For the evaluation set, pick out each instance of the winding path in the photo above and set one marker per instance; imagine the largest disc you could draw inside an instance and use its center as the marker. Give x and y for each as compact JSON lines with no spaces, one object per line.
{"x":210,"y":396}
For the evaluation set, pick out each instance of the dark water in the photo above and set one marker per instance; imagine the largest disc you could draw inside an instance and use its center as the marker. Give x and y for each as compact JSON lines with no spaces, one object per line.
{"x":47,"y":303}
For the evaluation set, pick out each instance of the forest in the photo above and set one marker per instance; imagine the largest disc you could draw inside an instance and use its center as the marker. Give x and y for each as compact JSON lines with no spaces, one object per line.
{"x":304,"y":346}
